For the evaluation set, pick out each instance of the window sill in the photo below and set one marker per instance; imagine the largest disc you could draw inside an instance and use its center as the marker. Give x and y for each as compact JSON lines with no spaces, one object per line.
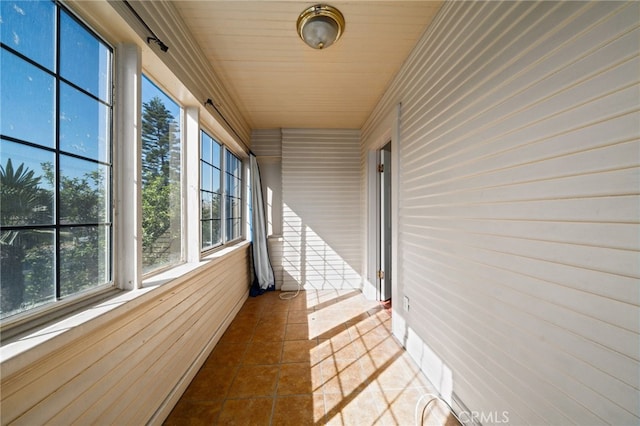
{"x":24,"y":349}
{"x":185,"y":268}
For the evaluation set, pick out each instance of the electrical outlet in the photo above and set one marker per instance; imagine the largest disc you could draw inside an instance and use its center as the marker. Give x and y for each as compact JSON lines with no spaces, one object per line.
{"x":406,"y":303}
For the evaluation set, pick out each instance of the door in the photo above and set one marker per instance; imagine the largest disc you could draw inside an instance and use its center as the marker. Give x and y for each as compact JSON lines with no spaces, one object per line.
{"x":384,"y":223}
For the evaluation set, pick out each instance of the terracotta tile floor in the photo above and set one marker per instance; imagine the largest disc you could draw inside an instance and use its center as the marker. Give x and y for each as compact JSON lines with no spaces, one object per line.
{"x":324,"y":357}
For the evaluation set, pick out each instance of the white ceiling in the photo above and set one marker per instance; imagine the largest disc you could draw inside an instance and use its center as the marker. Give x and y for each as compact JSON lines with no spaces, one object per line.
{"x":279,"y":82}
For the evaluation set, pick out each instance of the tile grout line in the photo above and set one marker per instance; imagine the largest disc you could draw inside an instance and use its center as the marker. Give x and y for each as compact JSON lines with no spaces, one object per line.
{"x":275,"y":390}
{"x":374,"y":322}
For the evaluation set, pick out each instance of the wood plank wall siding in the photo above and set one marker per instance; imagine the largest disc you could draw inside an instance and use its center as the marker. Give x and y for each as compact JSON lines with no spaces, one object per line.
{"x":130,"y":369}
{"x":321,"y":192}
{"x":267,"y":143}
{"x":518,"y":207}
{"x":186,"y":61}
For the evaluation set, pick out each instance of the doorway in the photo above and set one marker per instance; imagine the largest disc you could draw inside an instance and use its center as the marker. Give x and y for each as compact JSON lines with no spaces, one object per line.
{"x":383,"y":226}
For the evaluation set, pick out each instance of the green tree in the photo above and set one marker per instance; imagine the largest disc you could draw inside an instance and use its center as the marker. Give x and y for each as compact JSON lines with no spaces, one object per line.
{"x":21,"y":196}
{"x":156,"y":220}
{"x":160,"y":183}
{"x":28,"y":253}
{"x":159,"y":143}
{"x":22,"y":202}
{"x":83,"y":200}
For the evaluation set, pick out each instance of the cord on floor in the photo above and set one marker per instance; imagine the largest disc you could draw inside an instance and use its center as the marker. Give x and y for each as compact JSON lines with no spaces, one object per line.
{"x":288,"y":295}
{"x":420,"y":420}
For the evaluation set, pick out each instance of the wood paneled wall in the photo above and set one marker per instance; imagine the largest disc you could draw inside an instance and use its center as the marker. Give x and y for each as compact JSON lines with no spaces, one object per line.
{"x":131,"y":365}
{"x":189,"y":64}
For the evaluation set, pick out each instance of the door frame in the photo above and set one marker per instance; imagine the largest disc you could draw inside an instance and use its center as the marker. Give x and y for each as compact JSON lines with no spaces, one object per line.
{"x":384,"y":239}
{"x":387,"y":130}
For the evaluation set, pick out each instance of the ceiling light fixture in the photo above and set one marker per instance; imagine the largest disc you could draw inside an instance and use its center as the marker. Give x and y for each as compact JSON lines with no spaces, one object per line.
{"x":320,"y":26}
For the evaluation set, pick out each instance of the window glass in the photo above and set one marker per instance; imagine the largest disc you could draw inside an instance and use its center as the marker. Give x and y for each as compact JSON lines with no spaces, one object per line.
{"x":46,"y":256}
{"x":161,"y":192}
{"x":84,"y":258}
{"x":28,"y":269}
{"x":210,"y":196}
{"x":206,"y":143}
{"x":84,"y":129}
{"x":233,"y":197}
{"x":207,"y":236}
{"x":206,"y":171}
{"x":27,"y":194}
{"x":84,"y":191}
{"x":26,"y":90}
{"x":29,"y":28}
{"x":78,"y":46}
{"x":215,"y":180}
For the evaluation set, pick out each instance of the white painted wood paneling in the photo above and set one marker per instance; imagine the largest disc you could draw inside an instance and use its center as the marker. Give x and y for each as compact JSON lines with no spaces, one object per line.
{"x":132,"y":368}
{"x":519,"y":207}
{"x":266,"y":142}
{"x":321,"y":209}
{"x":275,"y":256}
{"x":187,"y":61}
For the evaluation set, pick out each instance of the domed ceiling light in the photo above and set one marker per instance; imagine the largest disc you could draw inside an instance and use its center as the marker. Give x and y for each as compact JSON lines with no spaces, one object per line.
{"x":320,"y":26}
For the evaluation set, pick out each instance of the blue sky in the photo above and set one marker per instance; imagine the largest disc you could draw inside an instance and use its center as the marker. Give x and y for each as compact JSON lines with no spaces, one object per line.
{"x":28,"y":92}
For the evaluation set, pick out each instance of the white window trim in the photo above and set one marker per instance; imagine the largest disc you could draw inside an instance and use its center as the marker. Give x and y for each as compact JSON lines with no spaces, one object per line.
{"x":127,"y":163}
{"x":191,"y":182}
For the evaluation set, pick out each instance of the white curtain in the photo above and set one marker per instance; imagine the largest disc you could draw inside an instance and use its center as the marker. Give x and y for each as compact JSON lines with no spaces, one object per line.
{"x":264,"y":278}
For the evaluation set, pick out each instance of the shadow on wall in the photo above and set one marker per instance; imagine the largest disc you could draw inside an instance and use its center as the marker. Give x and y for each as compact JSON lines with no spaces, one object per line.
{"x":309,"y":260}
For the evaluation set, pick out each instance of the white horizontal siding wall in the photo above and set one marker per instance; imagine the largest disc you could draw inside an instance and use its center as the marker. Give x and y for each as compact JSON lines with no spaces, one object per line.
{"x":321,"y":209}
{"x":131,"y":368}
{"x":519,"y":208}
{"x":267,"y":143}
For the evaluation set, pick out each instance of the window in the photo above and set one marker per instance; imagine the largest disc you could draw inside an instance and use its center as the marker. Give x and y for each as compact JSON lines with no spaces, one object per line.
{"x":210,"y":193}
{"x":55,"y":157}
{"x":220,"y":211}
{"x":233,"y":197}
{"x":161,"y":188}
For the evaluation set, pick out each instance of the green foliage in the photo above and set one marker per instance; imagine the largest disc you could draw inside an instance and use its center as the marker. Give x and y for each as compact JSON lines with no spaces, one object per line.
{"x":160,"y":185}
{"x":156,"y":221}
{"x":39,"y":273}
{"x":82,"y":199}
{"x":82,"y":259}
{"x":159,"y":143}
{"x":18,"y":194}
{"x":28,"y":255}
{"x":21,"y":199}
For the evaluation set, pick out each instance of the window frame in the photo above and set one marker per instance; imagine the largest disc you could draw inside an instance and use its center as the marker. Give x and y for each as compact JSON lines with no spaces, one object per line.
{"x":61,"y":303}
{"x":220,"y":193}
{"x":124,"y":204}
{"x":224,"y":151}
{"x":181,"y":183}
{"x":240,"y":196}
